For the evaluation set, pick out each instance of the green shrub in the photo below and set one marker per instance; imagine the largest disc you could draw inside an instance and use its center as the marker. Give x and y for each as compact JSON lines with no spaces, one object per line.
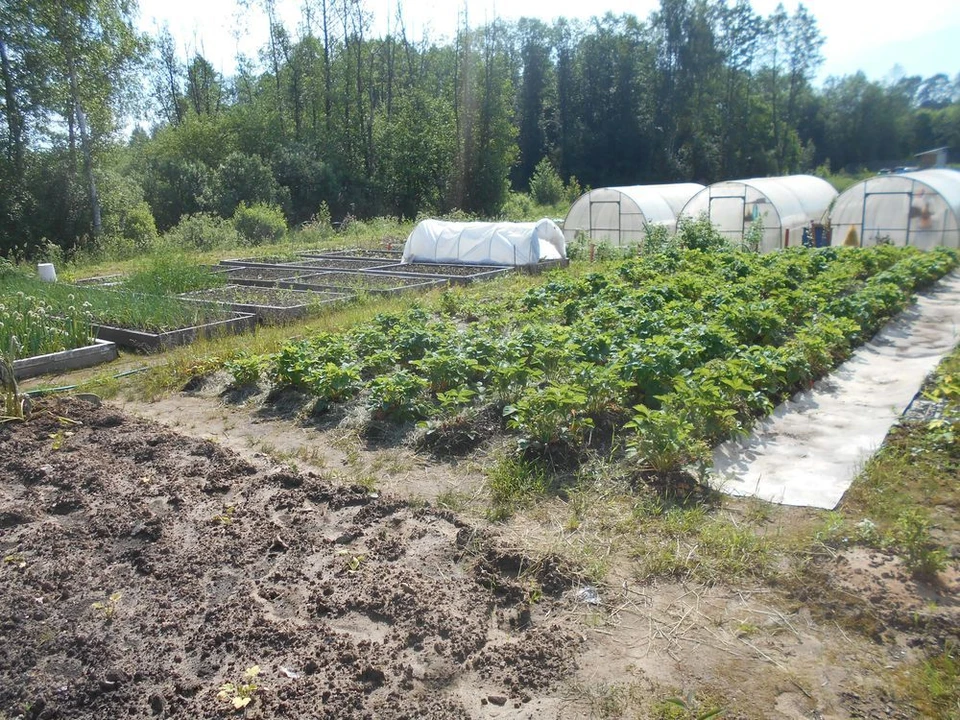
{"x":546,"y":187}
{"x":700,"y":234}
{"x":258,"y":224}
{"x":202,"y":231}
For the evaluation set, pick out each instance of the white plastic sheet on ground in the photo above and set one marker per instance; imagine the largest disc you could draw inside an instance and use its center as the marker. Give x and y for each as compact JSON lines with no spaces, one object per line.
{"x":811,"y":448}
{"x":485,"y":243}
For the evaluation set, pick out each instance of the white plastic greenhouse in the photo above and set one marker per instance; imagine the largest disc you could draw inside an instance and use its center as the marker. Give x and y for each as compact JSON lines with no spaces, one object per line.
{"x":484,"y":243}
{"x":918,"y":208}
{"x":620,"y":215}
{"x":785,"y":206}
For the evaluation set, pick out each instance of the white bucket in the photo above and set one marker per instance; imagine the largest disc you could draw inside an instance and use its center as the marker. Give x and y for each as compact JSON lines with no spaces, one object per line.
{"x":48,"y":273}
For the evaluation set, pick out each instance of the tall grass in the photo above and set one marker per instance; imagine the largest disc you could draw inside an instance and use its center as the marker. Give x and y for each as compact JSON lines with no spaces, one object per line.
{"x":152,"y":313}
{"x":171,"y":274}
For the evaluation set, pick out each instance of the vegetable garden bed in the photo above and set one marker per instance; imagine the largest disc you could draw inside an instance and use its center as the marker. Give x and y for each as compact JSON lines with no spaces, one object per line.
{"x":341,"y":263}
{"x":116,"y":308}
{"x":268,"y":304}
{"x":360,"y":282}
{"x":265,"y":260}
{"x":265,"y":276}
{"x":543,"y":266}
{"x":230,"y":323}
{"x":674,"y":352}
{"x":392,"y":255}
{"x":101,"y":351}
{"x":451,"y":272}
{"x":101,"y":280}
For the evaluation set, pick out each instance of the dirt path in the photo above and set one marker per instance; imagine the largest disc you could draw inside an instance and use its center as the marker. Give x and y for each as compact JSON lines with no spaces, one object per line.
{"x":357,"y":604}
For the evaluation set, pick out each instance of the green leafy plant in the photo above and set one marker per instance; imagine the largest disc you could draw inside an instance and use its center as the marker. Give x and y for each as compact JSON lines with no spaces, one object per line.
{"x":664,"y":441}
{"x":14,"y":404}
{"x":692,"y":709}
{"x":240,"y":694}
{"x":550,"y":416}
{"x":245,"y":369}
{"x":912,"y":535}
{"x":108,"y":608}
{"x":225,"y":517}
{"x":398,"y":397}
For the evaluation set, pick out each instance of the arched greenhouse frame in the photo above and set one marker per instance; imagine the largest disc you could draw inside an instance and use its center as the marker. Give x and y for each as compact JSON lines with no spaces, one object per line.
{"x":621,"y":215}
{"x":917,"y":208}
{"x":786,"y":207}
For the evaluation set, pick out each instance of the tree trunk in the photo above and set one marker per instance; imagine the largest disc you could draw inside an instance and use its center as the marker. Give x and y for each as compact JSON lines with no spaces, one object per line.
{"x":275,"y":59}
{"x":14,"y":117}
{"x":85,"y":146}
{"x":326,"y":68}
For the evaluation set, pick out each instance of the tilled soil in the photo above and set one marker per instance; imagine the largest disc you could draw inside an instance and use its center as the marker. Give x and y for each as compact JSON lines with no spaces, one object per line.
{"x":142,"y":570}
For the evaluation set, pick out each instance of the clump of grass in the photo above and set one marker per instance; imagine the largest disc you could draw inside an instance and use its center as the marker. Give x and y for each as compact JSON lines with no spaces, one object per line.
{"x":514,"y":482}
{"x":933,"y":685}
{"x":171,"y":274}
{"x":688,"y":543}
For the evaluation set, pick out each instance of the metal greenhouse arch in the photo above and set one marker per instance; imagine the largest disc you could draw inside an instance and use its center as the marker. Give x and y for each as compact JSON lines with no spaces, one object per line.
{"x":918,"y":208}
{"x":784,"y":206}
{"x":620,"y":215}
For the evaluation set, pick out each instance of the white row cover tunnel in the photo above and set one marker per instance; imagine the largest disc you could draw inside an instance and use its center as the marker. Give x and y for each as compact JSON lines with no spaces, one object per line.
{"x":919,"y":208}
{"x":485,"y":243}
{"x":620,"y":215}
{"x":784,"y":206}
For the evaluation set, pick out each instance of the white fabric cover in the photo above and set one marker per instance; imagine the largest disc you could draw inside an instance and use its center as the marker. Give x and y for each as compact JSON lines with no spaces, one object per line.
{"x":919,"y":208}
{"x":485,"y":243}
{"x":620,"y":215}
{"x":783,"y":205}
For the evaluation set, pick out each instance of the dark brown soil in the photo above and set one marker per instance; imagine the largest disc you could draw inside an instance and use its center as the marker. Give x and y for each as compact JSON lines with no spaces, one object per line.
{"x":353,"y":605}
{"x":343,"y":263}
{"x":445,"y":269}
{"x":246,"y":295}
{"x":261,"y":273}
{"x":361,"y":280}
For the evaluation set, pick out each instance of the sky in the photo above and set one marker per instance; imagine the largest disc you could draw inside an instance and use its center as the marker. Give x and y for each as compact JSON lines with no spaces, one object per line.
{"x":875,"y":36}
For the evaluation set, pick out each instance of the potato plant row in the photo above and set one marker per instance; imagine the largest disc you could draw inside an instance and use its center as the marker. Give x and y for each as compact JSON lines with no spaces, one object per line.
{"x":681,"y":349}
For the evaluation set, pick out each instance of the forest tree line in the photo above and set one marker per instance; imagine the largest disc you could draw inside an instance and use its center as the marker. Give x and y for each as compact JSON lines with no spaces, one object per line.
{"x":331,"y":120}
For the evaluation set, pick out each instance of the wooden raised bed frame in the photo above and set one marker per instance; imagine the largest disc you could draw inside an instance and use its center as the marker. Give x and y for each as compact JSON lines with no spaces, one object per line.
{"x":270,"y":314}
{"x":101,"y":351}
{"x":153,"y":342}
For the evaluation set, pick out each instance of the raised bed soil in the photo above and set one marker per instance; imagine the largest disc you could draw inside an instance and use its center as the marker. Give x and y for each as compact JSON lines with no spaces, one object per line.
{"x":269,"y":305}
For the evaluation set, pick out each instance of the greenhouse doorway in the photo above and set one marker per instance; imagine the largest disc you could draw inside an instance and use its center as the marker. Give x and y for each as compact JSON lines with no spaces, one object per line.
{"x":731,"y":206}
{"x":887,"y":215}
{"x":605,"y":221}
